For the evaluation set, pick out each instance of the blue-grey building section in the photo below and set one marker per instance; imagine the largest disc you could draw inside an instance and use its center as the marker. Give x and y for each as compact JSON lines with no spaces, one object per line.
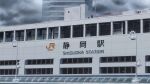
{"x":54,"y":9}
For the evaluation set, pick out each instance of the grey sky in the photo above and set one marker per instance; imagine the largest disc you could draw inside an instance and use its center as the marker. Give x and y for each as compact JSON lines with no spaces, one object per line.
{"x":14,"y":12}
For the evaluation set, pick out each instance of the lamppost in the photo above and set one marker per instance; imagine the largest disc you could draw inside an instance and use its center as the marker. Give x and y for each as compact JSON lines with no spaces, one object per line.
{"x":15,"y":45}
{"x":133,"y":36}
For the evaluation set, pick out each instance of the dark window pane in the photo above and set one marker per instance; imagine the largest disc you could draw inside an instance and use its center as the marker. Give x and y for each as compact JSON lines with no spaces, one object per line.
{"x":78,"y":31}
{"x":1,"y":36}
{"x":30,"y":34}
{"x":41,"y":34}
{"x":53,"y":33}
{"x":20,"y":35}
{"x":104,"y":29}
{"x":91,"y":29}
{"x":9,"y":36}
{"x":119,"y":27}
{"x":65,"y":31}
{"x":134,"y":25}
{"x":146,"y":25}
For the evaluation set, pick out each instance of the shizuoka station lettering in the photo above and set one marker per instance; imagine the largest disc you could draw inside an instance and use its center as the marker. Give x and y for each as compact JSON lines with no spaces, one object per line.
{"x":83,"y":52}
{"x":83,"y":44}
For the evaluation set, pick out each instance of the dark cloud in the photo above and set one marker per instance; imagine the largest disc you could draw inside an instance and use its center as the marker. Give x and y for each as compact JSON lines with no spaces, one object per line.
{"x":119,"y":2}
{"x":103,"y":7}
{"x":14,"y":12}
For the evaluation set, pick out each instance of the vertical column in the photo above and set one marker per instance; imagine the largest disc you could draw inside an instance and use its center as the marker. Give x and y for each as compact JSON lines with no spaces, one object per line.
{"x":126,"y":27}
{"x":25,"y":34}
{"x":21,"y":67}
{"x":56,"y":67}
{"x":47,"y":33}
{"x":141,"y":21}
{"x":4,"y":36}
{"x":84,"y":30}
{"x":14,"y":35}
{"x":59,"y":32}
{"x":95,"y":65}
{"x":97,"y":29}
{"x":111,"y":28}
{"x":36,"y":34}
{"x":71,"y":32}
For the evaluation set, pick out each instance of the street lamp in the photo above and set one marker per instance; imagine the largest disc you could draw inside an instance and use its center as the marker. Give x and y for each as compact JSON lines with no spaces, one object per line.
{"x":133,"y":36}
{"x":15,"y":45}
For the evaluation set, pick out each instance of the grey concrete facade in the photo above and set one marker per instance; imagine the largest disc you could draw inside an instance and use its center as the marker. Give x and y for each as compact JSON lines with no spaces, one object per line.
{"x":114,"y":45}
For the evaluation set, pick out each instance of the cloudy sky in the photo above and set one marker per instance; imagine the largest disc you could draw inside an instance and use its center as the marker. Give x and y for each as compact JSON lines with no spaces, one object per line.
{"x":20,"y":11}
{"x":13,"y":12}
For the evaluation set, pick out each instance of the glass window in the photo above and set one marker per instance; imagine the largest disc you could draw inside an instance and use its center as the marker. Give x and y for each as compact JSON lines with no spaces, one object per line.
{"x":78,"y":31}
{"x":103,"y":70}
{"x":134,"y":25}
{"x":41,"y":34}
{"x":104,"y":28}
{"x":116,"y":70}
{"x":53,"y":33}
{"x":1,"y":36}
{"x":122,"y":70}
{"x":20,"y":35}
{"x":128,"y":69}
{"x":119,"y":27}
{"x":147,"y":69}
{"x":146,"y":25}
{"x":30,"y":34}
{"x":91,"y":29}
{"x":147,"y":58}
{"x":9,"y":36}
{"x":103,"y":60}
{"x":65,"y":32}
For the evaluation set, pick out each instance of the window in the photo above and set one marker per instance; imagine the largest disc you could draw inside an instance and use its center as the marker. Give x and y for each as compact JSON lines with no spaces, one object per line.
{"x":147,"y":69}
{"x":53,"y":33}
{"x":8,"y":71}
{"x":65,"y":32}
{"x":134,"y":25}
{"x":104,"y":29}
{"x":30,"y":34}
{"x":8,"y":62}
{"x":41,"y":34}
{"x":117,"y":70}
{"x":85,"y":70}
{"x":19,"y":35}
{"x":78,"y":31}
{"x":1,"y":36}
{"x":38,"y":71}
{"x":9,"y":36}
{"x":147,"y":58}
{"x":118,"y":59}
{"x":39,"y":61}
{"x":75,"y":60}
{"x":146,"y":25}
{"x":91,"y":29}
{"x":119,"y":27}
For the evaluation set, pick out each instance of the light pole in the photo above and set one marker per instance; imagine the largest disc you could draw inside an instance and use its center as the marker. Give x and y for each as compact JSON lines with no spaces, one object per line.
{"x":15,"y":45}
{"x":133,"y":36}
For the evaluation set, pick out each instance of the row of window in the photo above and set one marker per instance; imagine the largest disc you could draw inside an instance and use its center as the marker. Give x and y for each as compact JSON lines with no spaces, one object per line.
{"x":8,"y":62}
{"x":75,"y":60}
{"x":39,"y":61}
{"x":7,"y":71}
{"x":85,"y":70}
{"x":119,"y":27}
{"x":117,"y":70}
{"x":118,"y":59}
{"x":39,"y":71}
